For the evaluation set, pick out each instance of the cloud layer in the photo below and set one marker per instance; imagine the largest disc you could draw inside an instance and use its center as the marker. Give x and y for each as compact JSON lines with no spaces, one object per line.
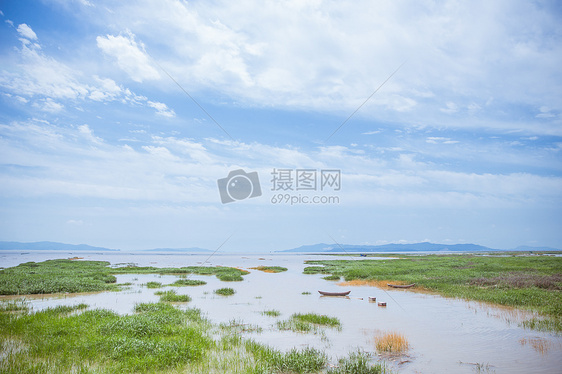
{"x":110,"y":114}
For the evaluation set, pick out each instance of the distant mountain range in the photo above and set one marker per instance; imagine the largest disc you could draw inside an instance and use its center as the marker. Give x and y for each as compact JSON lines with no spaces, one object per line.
{"x":415,"y":247}
{"x":315,"y":248}
{"x":54,"y":246}
{"x":51,"y":246}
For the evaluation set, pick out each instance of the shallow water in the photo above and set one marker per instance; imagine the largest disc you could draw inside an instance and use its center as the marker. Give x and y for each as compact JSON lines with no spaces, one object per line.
{"x":445,"y":335}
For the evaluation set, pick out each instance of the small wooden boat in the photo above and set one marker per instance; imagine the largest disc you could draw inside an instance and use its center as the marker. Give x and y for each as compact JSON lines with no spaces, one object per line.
{"x":373,"y":299}
{"x":400,"y":285}
{"x":382,"y":304}
{"x":324,"y":293}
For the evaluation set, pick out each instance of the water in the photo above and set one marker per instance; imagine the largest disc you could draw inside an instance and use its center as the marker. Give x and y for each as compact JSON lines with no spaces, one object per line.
{"x":445,"y":335}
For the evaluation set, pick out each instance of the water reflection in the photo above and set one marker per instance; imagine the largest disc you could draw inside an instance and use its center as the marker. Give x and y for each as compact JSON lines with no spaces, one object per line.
{"x":444,"y":335}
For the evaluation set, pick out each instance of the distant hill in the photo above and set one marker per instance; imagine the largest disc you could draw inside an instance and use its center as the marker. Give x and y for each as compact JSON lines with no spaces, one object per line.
{"x":51,"y":246}
{"x":415,"y":247}
{"x":54,"y":246}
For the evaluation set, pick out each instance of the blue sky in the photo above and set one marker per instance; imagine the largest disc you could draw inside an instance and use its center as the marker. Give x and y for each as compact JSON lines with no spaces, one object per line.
{"x":100,"y":145}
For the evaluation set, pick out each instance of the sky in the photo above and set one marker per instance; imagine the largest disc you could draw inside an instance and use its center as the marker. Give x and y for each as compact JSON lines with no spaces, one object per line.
{"x":261,"y":126}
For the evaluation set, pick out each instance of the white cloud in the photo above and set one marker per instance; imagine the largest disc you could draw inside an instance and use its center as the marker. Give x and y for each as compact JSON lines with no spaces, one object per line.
{"x":88,"y":134}
{"x":545,"y":112}
{"x":129,"y":54}
{"x":27,"y":32}
{"x":440,"y":140}
{"x":450,"y":108}
{"x":64,"y":161}
{"x":328,"y":56}
{"x":161,"y":109}
{"x":49,"y":105}
{"x":47,"y":84}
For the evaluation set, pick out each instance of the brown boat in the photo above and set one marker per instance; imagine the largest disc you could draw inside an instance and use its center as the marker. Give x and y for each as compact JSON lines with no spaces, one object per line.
{"x":324,"y":293}
{"x":400,"y":285}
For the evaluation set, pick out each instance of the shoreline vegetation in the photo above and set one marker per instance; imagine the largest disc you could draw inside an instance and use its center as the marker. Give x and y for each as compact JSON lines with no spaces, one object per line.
{"x":529,"y":282}
{"x":166,"y":338}
{"x":56,"y":276}
{"x":157,"y":338}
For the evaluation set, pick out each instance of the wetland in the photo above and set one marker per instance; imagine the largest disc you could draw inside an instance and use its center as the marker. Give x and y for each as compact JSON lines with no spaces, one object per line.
{"x":249,"y":314}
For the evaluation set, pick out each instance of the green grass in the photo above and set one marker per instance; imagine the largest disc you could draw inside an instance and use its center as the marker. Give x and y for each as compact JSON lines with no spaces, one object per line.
{"x":269,"y":360}
{"x":153,"y":285}
{"x":188,"y":282}
{"x":225,"y":291}
{"x":56,"y":276}
{"x":332,"y":278}
{"x":157,"y":338}
{"x":309,"y":322}
{"x":357,"y":363}
{"x":318,"y":319}
{"x":171,"y":296}
{"x":271,"y":313}
{"x":528,"y":282}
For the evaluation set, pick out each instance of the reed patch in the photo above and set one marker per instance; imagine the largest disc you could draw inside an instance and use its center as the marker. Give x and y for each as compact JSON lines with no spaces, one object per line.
{"x":270,"y":269}
{"x":391,"y":343}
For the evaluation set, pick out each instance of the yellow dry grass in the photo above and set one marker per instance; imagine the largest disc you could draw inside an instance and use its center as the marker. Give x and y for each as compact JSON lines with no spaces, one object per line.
{"x":391,"y":342}
{"x":367,"y":282}
{"x":381,"y":284}
{"x":264,"y":269}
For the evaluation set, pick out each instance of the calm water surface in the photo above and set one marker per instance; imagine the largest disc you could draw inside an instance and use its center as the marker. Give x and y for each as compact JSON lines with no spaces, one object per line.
{"x":445,"y":335}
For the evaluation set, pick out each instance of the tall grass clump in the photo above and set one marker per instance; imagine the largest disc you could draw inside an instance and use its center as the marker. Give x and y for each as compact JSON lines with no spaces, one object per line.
{"x":230,"y":277}
{"x":269,"y":360}
{"x":225,"y":291}
{"x":318,"y":319}
{"x":308,"y":322}
{"x":153,"y":285}
{"x":157,"y":338}
{"x":392,"y":342}
{"x":271,"y":313}
{"x":332,"y":277}
{"x":188,"y":282}
{"x":357,"y":363}
{"x":171,"y":296}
